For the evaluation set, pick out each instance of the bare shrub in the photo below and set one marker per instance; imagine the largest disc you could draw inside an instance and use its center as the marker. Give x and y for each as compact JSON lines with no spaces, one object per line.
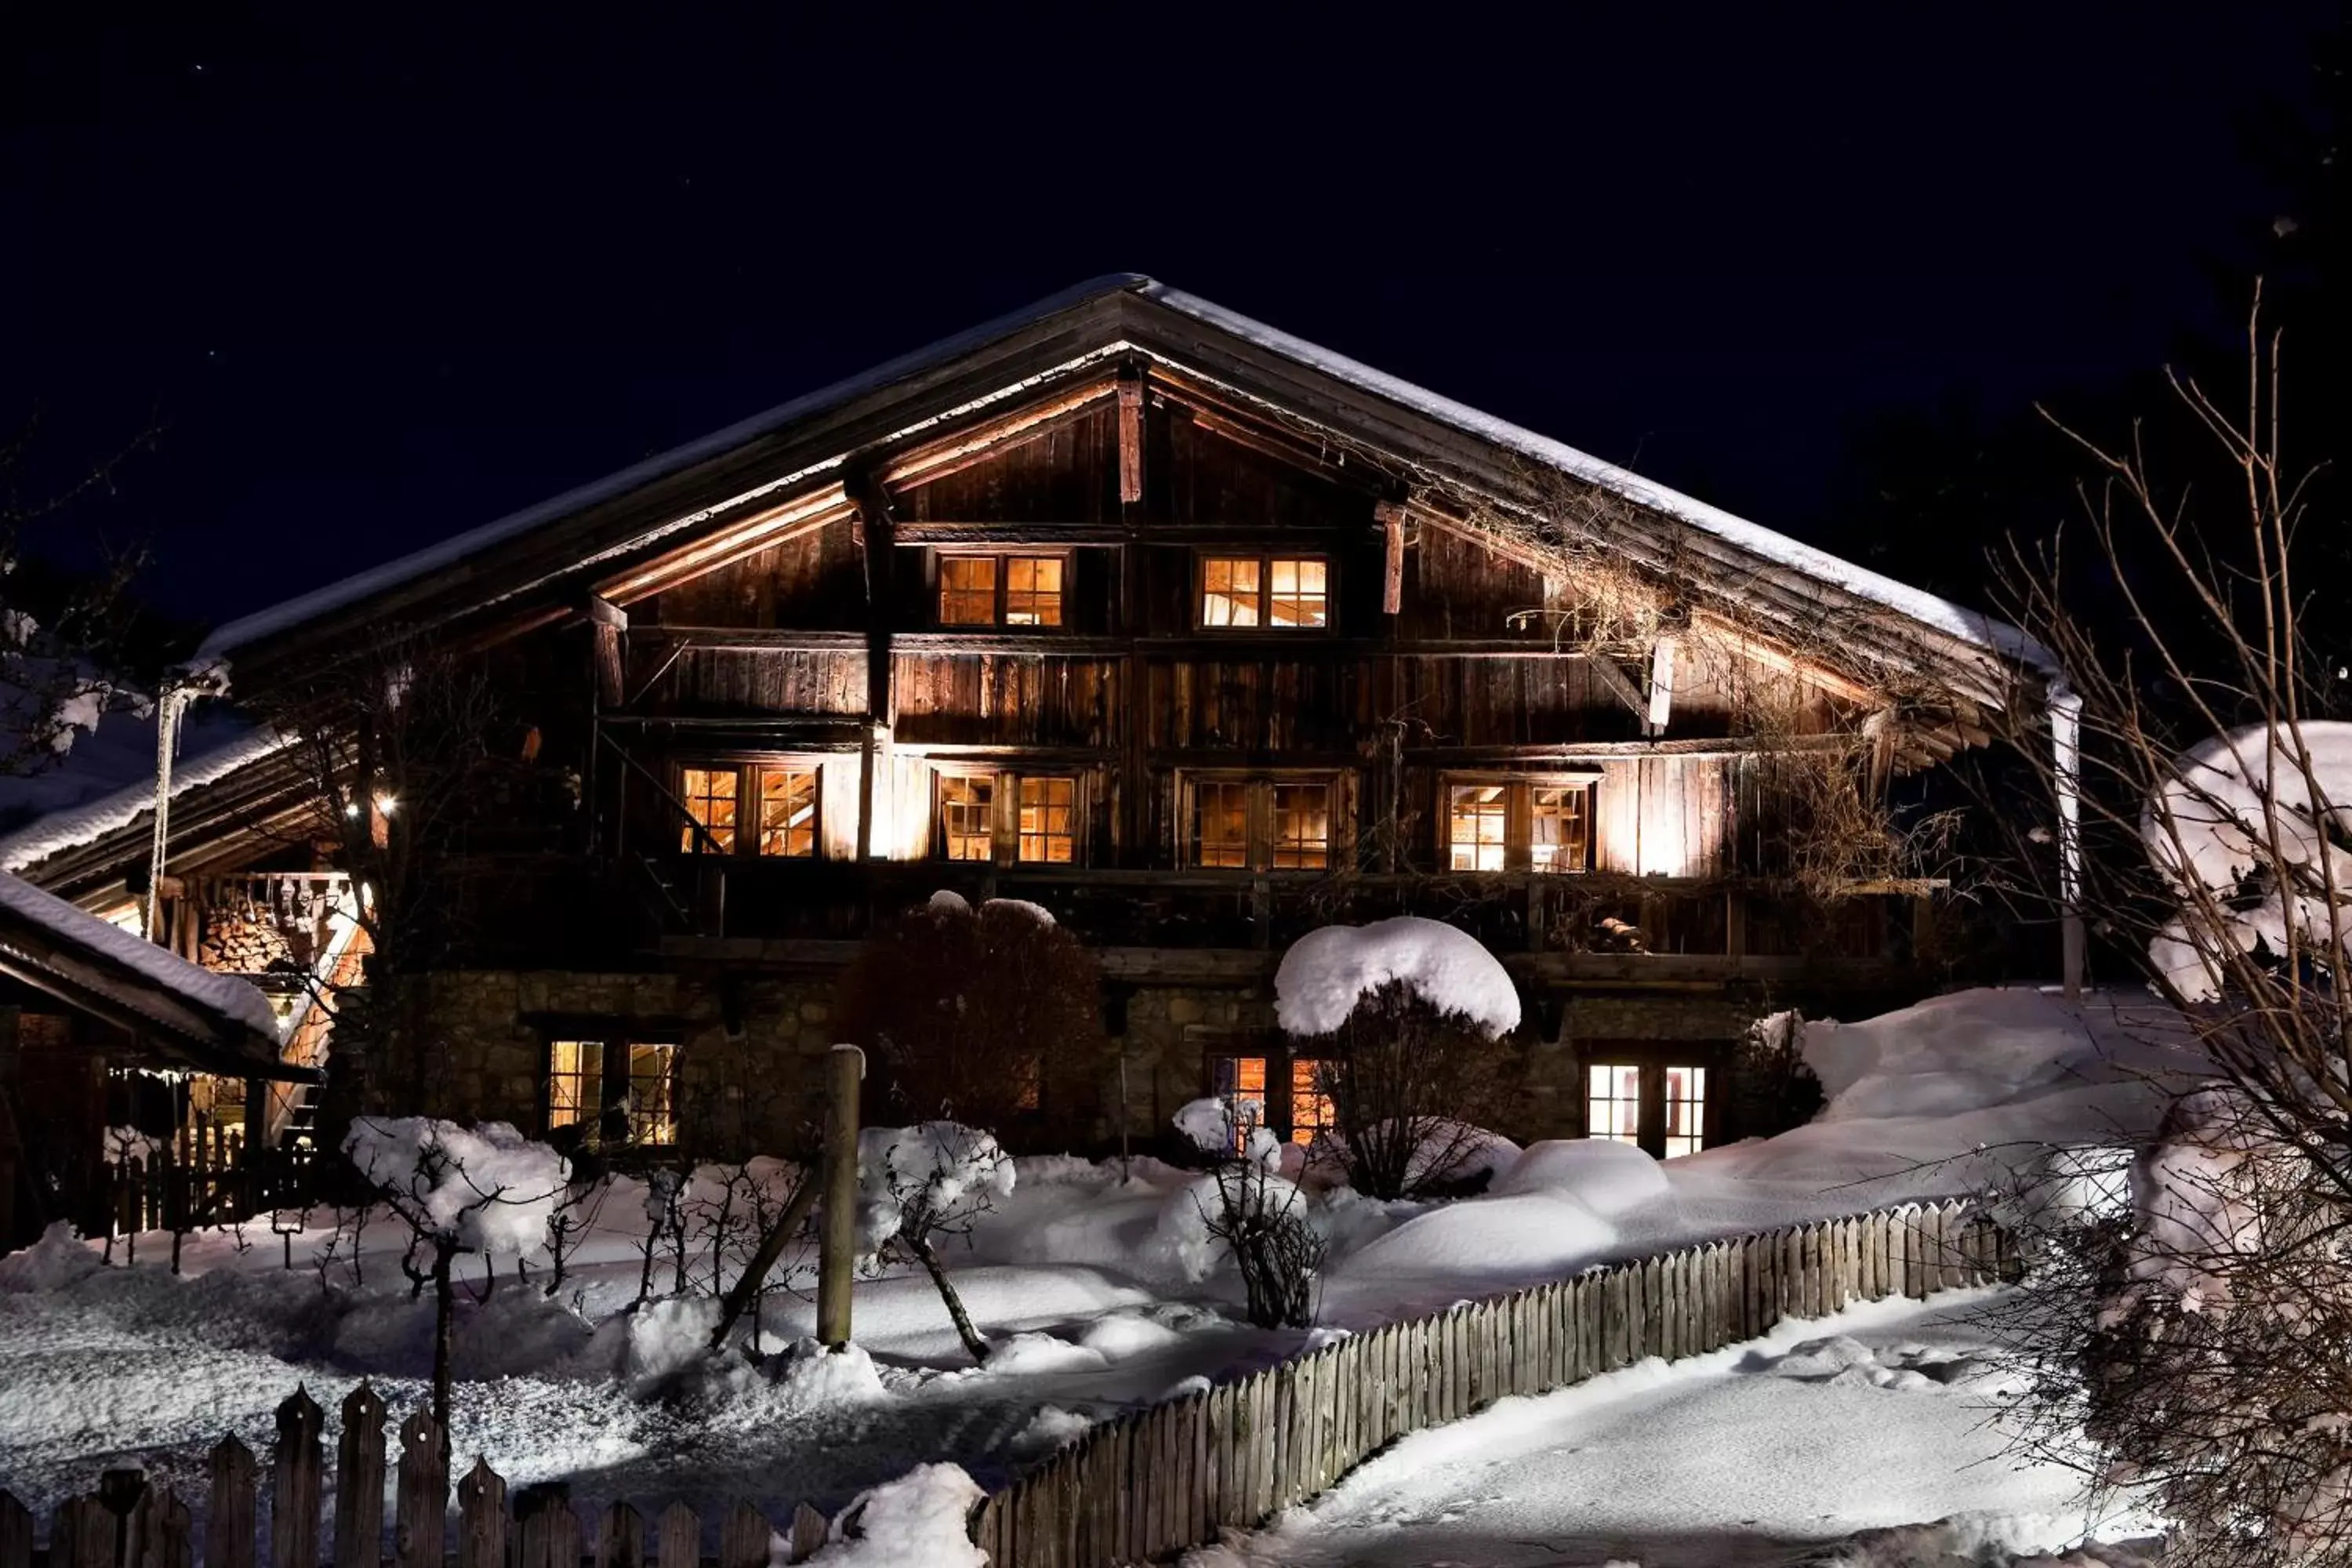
{"x":1411,"y":1087}
{"x":1261,"y":1217}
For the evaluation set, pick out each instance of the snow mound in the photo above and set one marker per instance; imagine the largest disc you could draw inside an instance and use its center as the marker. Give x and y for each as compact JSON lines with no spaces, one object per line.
{"x":1326,"y":972}
{"x":920,"y":1518}
{"x":1602,"y":1174}
{"x":2212,"y":826}
{"x":1181,"y":1242}
{"x":1209,"y":1123}
{"x":947,"y":902}
{"x":1541,"y":1235}
{"x":812,"y":1377}
{"x":1844,"y":1361}
{"x":488,"y":1187}
{"x":56,"y":1260}
{"x":1038,"y":912}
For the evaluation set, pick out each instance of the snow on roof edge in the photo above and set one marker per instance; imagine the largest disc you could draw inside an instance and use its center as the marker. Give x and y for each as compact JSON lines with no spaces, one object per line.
{"x":222,"y":995}
{"x":85,"y":824}
{"x":246,"y":629}
{"x":1973,"y":627}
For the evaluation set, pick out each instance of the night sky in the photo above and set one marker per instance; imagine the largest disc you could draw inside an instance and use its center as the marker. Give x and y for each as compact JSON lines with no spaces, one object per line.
{"x":381,"y":287}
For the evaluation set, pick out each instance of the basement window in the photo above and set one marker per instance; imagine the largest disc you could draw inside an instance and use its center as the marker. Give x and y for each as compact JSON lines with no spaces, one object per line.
{"x":1660,"y":1106}
{"x":1612,"y":1103}
{"x":1002,"y":590}
{"x":614,"y":1091}
{"x":1282,"y":593}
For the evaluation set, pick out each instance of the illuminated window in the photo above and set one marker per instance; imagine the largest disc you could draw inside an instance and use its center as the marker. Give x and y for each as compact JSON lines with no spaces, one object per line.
{"x":1310,"y":1105}
{"x":1048,"y":820}
{"x":1297,"y":596}
{"x":1478,"y":826}
{"x":709,"y":796}
{"x":608,"y":1089}
{"x":1686,"y":1111}
{"x":1002,"y":590}
{"x":966,"y":816}
{"x":1517,"y":825}
{"x":968,"y":591}
{"x":1612,"y":1103}
{"x":575,"y":1082}
{"x":1287,"y":592}
{"x":1229,"y":592}
{"x":1033,"y":591}
{"x":1240,"y":1082}
{"x":1220,"y":822}
{"x":653,"y":1118}
{"x":1559,"y":827}
{"x":1260,"y":823}
{"x":1302,"y":826}
{"x":788,"y":812}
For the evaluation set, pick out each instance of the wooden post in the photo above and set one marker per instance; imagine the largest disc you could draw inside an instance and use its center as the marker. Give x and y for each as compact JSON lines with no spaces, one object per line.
{"x":837,"y":1241}
{"x":1130,"y":437}
{"x":1391,"y":517}
{"x":16,"y":1533}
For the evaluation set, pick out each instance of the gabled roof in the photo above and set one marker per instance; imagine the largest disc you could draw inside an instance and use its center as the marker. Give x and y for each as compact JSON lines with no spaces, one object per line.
{"x":215,"y":1023}
{"x":541,"y":560}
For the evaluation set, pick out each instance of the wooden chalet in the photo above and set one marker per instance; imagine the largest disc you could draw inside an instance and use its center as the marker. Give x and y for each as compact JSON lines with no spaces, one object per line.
{"x":1194,"y":634}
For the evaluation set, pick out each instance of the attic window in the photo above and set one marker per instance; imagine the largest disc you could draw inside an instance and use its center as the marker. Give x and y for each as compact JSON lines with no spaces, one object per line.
{"x":1002,"y":590}
{"x":1283,"y":592}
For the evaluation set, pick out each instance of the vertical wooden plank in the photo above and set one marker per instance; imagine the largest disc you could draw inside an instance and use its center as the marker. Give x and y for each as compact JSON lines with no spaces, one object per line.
{"x":294,"y":1481}
{"x":742,"y":1538}
{"x":359,"y":1481}
{"x":482,"y":1519}
{"x":809,"y":1529}
{"x":679,"y":1536}
{"x":620,"y":1538}
{"x":16,"y":1531}
{"x":421,"y":1512}
{"x":563,"y":1533}
{"x":235,"y":1479}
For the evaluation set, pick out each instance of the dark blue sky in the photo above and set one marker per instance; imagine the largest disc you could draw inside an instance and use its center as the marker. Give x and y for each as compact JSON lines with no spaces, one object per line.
{"x":383,"y":288}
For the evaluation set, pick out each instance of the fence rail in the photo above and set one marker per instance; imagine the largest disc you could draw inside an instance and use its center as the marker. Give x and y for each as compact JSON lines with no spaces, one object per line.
{"x":1160,"y":1480}
{"x":1150,"y":1483}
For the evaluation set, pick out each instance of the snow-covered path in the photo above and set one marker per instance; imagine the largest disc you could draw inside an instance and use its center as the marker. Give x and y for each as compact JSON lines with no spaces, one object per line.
{"x":1880,"y":1417}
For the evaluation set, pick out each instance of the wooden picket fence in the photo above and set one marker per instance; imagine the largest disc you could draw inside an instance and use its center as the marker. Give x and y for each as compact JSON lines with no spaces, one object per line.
{"x":1148,"y":1485}
{"x":1160,"y":1481}
{"x":126,"y":1523}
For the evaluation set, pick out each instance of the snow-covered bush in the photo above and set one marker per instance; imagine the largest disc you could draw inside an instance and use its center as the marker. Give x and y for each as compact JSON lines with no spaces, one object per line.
{"x":1408,"y":1019}
{"x":917,"y":1183}
{"x":991,"y":1016}
{"x":922,"y":1517}
{"x":1245,"y":1209}
{"x":485,"y":1189}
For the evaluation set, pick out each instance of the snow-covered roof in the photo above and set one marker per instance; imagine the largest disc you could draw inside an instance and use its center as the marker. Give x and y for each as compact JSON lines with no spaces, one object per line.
{"x":126,"y":969}
{"x":88,"y":823}
{"x":1970,"y":628}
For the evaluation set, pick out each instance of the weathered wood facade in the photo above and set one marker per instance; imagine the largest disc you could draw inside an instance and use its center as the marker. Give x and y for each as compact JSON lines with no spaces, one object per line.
{"x":1195,"y":638}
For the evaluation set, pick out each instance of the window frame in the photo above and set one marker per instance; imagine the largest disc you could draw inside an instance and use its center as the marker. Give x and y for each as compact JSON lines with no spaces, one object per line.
{"x":1003,"y":556}
{"x":1261,"y":849}
{"x":749,"y":832}
{"x":1005,"y":782}
{"x":1518,"y":818}
{"x":617,"y":1050}
{"x":1264,"y":559}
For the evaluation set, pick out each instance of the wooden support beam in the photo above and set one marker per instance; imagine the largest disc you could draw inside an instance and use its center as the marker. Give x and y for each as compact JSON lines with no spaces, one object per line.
{"x":1131,"y":437}
{"x":1391,"y":516}
{"x":1621,"y":685}
{"x":607,"y":623}
{"x":1662,"y":687}
{"x":873,"y":501}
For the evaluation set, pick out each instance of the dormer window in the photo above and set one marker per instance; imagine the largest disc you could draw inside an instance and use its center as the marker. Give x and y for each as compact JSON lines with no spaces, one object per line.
{"x":1280,"y":593}
{"x":1002,"y":590}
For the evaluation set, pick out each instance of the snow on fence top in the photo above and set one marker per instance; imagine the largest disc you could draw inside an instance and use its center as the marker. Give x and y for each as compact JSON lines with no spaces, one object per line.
{"x":1326,"y":972}
{"x":70,"y":829}
{"x":221,"y":995}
